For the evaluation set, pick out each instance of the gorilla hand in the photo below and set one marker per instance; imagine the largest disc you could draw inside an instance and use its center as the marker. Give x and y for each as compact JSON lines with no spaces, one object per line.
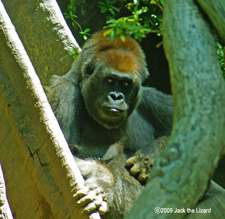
{"x":96,"y":193}
{"x":91,"y":200}
{"x":139,"y":166}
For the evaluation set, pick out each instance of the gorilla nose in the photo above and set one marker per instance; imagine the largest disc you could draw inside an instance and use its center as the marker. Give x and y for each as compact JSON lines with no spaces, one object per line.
{"x":116,"y":96}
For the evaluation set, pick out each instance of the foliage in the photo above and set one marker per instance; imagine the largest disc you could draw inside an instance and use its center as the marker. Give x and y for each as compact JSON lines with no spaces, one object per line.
{"x":71,"y":17}
{"x":108,"y":8}
{"x":220,"y":54}
{"x":145,"y":16}
{"x":74,"y":53}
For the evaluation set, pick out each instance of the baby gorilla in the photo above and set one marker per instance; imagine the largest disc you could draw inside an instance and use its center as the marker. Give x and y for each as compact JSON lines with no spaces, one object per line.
{"x":112,"y":123}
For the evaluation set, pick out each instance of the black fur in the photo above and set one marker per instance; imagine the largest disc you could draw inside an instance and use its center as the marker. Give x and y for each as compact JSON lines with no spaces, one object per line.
{"x":101,"y":146}
{"x":88,"y":139}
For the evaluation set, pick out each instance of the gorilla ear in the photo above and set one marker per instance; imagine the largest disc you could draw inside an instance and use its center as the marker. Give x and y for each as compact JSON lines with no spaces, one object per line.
{"x":144,"y":74}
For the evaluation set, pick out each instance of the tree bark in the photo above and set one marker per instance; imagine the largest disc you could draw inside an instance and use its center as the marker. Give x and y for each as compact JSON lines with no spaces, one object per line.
{"x":180,"y":175}
{"x":5,"y":211}
{"x":40,"y":172}
{"x":215,"y":204}
{"x":215,"y":10}
{"x":44,"y":34}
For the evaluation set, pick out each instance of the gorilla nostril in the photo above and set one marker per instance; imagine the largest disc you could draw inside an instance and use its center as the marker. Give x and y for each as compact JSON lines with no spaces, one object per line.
{"x":116,"y":96}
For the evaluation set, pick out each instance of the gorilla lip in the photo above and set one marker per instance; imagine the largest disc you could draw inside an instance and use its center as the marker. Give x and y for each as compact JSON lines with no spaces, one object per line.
{"x":113,"y":110}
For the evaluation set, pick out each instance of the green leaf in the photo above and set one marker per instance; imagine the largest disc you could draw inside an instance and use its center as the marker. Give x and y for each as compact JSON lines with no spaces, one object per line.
{"x":87,"y":30}
{"x":103,"y":9}
{"x":123,"y":38}
{"x":108,"y":32}
{"x":112,"y":35}
{"x":101,"y":3}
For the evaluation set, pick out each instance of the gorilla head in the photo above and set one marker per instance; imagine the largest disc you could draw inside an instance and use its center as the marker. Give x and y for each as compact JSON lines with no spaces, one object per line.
{"x":110,"y":77}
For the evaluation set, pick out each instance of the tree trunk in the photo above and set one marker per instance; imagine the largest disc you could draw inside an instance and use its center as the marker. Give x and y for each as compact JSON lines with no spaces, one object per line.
{"x":180,"y":175}
{"x":5,"y":211}
{"x":215,"y":204}
{"x":40,"y":172}
{"x":44,"y":34}
{"x":215,"y":10}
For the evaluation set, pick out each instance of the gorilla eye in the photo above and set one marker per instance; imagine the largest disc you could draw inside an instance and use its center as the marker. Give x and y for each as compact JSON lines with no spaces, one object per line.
{"x":126,"y":84}
{"x":109,"y":80}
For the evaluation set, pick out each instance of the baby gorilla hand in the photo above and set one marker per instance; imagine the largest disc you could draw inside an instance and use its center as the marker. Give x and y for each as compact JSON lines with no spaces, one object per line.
{"x":139,"y":166}
{"x":91,"y":200}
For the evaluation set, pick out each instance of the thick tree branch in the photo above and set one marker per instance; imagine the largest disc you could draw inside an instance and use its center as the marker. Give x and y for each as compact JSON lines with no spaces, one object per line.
{"x":40,"y":172}
{"x":181,"y":173}
{"x":215,"y":10}
{"x":216,"y":204}
{"x":44,"y":34}
{"x":5,"y":211}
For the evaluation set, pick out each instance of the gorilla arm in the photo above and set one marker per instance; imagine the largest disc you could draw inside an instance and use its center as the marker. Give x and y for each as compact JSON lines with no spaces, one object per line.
{"x":92,"y":196}
{"x":157,"y":108}
{"x":107,"y":185}
{"x":96,"y":193}
{"x":62,"y":95}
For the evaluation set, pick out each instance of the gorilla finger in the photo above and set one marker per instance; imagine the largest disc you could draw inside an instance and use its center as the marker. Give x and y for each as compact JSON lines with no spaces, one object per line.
{"x":86,"y":199}
{"x":91,"y":207}
{"x":135,"y":169}
{"x":103,"y":207}
{"x":143,"y":177}
{"x":98,"y":200}
{"x":94,"y":215}
{"x":131,"y":161}
{"x":147,"y":161}
{"x":80,"y":193}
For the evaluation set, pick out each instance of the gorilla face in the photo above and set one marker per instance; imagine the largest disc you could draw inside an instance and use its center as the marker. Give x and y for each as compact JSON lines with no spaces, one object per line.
{"x":110,"y":96}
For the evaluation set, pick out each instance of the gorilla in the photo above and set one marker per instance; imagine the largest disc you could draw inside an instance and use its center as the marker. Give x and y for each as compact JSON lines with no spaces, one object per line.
{"x":115,"y":126}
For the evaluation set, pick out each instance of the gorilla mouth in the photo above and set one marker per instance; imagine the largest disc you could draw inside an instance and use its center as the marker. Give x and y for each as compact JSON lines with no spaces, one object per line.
{"x":111,"y":117}
{"x":113,"y":111}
